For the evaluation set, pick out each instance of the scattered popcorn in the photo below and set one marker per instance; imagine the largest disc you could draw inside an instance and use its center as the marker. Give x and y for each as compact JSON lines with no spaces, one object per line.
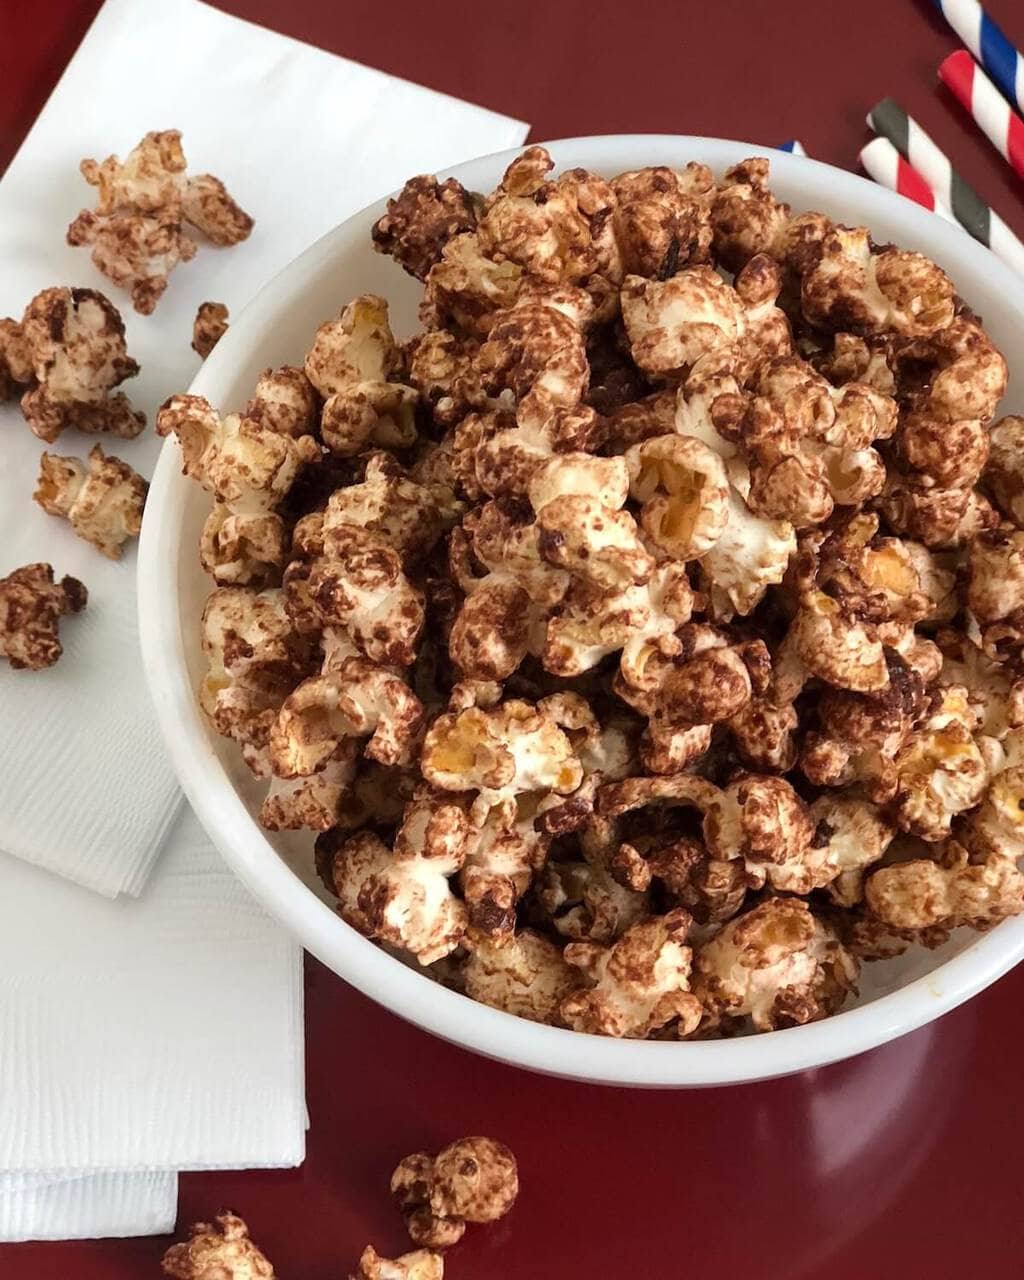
{"x":644,"y":637}
{"x":31,"y":607}
{"x":69,"y":352}
{"x":421,"y":1264}
{"x":472,"y":1180}
{"x":102,"y":502}
{"x":209,"y":326}
{"x":221,"y":1250}
{"x":137,"y":230}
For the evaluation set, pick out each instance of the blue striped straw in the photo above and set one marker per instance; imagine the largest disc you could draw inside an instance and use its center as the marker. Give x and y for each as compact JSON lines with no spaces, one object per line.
{"x":989,"y":44}
{"x":794,"y":147}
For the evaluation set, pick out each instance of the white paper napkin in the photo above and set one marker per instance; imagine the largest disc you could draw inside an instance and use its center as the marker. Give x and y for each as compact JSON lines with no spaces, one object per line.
{"x":44,"y":1206}
{"x":303,"y":139}
{"x":141,"y":1037}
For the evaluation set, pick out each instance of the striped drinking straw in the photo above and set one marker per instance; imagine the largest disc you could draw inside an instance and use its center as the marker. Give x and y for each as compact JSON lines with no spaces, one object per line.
{"x":989,"y":45}
{"x":890,"y":121}
{"x":989,"y":109}
{"x":888,"y":168}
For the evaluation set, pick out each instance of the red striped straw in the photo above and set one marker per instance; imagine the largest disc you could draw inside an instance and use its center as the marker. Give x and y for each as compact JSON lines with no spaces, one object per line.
{"x":989,"y":109}
{"x":888,"y":168}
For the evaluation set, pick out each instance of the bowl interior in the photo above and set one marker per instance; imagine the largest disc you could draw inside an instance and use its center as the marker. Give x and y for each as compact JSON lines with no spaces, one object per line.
{"x":277,"y":328}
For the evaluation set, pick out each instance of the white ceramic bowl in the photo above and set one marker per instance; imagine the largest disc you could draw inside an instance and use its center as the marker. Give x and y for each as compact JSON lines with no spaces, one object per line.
{"x":277,"y":328}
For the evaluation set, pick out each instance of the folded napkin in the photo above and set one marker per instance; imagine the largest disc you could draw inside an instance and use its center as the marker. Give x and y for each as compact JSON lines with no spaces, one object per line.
{"x":143,"y":1036}
{"x":140,"y":1037}
{"x":303,"y":139}
{"x":85,"y":1206}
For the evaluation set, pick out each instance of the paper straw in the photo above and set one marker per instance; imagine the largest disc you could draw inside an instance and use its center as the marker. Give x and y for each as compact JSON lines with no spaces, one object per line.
{"x":989,"y":45}
{"x":794,"y":147}
{"x":885,"y":164}
{"x":989,"y":109}
{"x":890,"y":121}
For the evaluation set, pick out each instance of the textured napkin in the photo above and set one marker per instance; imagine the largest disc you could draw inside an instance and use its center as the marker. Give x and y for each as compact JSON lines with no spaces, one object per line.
{"x":143,"y":1036}
{"x":140,"y":1037}
{"x":303,"y":139}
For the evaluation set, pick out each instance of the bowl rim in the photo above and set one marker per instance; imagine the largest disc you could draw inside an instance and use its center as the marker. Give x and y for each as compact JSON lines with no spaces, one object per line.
{"x":388,"y":981}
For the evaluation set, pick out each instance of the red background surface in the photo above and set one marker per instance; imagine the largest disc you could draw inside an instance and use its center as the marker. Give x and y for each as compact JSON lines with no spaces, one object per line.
{"x":904,"y":1163}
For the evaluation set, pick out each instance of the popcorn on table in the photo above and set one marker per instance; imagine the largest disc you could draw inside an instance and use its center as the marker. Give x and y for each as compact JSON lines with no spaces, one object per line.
{"x":644,"y":634}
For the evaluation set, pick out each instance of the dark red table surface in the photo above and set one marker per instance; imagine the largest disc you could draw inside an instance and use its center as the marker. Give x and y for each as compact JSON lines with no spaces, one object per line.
{"x":904,"y":1163}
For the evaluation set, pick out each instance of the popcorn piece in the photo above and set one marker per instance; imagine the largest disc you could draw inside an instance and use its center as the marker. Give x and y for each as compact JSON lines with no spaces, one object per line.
{"x":421,"y":1264}
{"x":535,"y":350}
{"x":403,"y":897}
{"x":1004,"y":473}
{"x":672,"y":323}
{"x":136,"y":229}
{"x":256,"y":657}
{"x":472,"y":1180}
{"x":581,"y":529}
{"x":684,"y":491}
{"x":503,"y":853}
{"x":243,"y":550}
{"x":995,"y":696}
{"x":746,"y":217}
{"x":936,"y":517}
{"x":525,"y":975}
{"x":390,"y":505}
{"x":763,"y":734}
{"x":750,"y":555}
{"x":995,"y":588}
{"x":923,"y":894}
{"x":861,"y":734}
{"x":354,"y":699}
{"x":31,"y":606}
{"x":221,"y":1250}
{"x":70,"y":348}
{"x":136,"y":252}
{"x":15,"y":359}
{"x":209,"y":326}
{"x":207,"y":205}
{"x":318,"y":801}
{"x":940,"y":771}
{"x":638,"y":985}
{"x":559,"y":232}
{"x":421,"y":220}
{"x":103,"y":503}
{"x":592,"y":624}
{"x":701,"y":681}
{"x":836,"y":647}
{"x":777,"y":964}
{"x":853,"y":286}
{"x":662,"y":218}
{"x":284,"y":401}
{"x":351,"y":364}
{"x":465,"y":288}
{"x":759,"y":819}
{"x":358,"y":585}
{"x":848,"y":836}
{"x":246,"y":467}
{"x":148,"y":180}
{"x":501,"y":753}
